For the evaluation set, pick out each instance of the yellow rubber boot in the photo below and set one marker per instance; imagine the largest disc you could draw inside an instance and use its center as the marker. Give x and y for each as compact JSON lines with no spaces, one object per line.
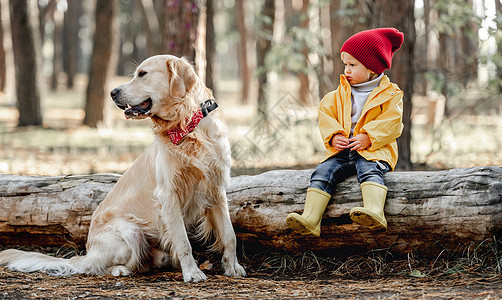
{"x":310,"y":220}
{"x":371,"y":215}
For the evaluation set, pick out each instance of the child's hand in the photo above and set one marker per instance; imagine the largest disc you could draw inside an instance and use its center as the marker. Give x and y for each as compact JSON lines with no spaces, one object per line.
{"x":340,"y":142}
{"x":359,"y":142}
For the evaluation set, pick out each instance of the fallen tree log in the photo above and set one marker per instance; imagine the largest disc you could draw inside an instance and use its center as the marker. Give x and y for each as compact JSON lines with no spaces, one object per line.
{"x":426,"y":211}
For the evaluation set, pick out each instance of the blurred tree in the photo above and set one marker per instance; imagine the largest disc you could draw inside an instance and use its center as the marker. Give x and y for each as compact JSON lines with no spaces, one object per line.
{"x":210,"y":45}
{"x":263,"y":46}
{"x":151,"y":27}
{"x":130,"y":28}
{"x":498,"y":39}
{"x":467,"y":56}
{"x":242,"y":48}
{"x":103,"y":62}
{"x":400,"y":15}
{"x":3,"y":71}
{"x":457,"y":26}
{"x":180,"y":32}
{"x":422,"y":46}
{"x":337,"y":37}
{"x":304,"y":90}
{"x":57,"y":41}
{"x":71,"y":40}
{"x":45,"y":12}
{"x":26,"y":45}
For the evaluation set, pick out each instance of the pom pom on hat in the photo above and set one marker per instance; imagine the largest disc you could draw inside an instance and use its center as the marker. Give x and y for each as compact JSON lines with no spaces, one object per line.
{"x":374,"y":48}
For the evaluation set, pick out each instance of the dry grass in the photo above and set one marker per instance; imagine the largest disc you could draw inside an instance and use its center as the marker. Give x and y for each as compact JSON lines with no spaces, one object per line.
{"x":473,"y":273}
{"x":477,"y":260}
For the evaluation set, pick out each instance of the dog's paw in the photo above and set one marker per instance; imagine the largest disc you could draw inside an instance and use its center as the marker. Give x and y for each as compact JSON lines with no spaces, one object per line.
{"x":194,"y":275}
{"x":119,"y":271}
{"x":235,"y":270}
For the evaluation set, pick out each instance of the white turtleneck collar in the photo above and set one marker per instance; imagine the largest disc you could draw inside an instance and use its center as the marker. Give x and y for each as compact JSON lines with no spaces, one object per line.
{"x":359,"y":95}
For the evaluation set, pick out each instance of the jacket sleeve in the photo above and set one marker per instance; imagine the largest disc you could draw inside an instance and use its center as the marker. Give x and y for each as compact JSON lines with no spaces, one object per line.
{"x":329,"y":122}
{"x":388,"y":126}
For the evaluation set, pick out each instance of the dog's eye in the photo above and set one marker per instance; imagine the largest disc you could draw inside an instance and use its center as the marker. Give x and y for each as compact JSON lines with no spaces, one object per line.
{"x":141,"y":73}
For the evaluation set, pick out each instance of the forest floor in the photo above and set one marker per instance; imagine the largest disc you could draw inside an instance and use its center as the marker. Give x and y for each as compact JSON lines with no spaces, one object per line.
{"x":164,"y":285}
{"x":470,"y":136}
{"x":279,"y":276}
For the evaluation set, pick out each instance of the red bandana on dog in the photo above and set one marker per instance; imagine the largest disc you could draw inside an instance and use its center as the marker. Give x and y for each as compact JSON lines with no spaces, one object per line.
{"x":176,"y":134}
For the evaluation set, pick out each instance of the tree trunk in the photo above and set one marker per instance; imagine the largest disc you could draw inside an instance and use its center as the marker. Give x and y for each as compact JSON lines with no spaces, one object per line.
{"x":336,"y":23}
{"x":427,"y":212}
{"x":210,"y":47}
{"x":263,"y":46}
{"x":400,"y":14}
{"x":243,"y":51}
{"x":151,"y":26}
{"x":180,"y":33}
{"x":303,"y":77}
{"x":57,"y":40}
{"x":26,"y":45}
{"x":498,"y":9}
{"x":102,"y":61}
{"x":71,"y":41}
{"x":3,"y":69}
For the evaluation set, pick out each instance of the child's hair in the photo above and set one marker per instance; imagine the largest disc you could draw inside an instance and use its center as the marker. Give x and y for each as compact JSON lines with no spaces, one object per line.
{"x":374,"y":48}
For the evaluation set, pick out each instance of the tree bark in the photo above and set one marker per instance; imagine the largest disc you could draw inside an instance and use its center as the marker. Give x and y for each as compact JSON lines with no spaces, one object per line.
{"x":71,"y":41}
{"x":304,"y":89}
{"x":102,"y":61}
{"x":263,"y":46}
{"x":336,"y":27}
{"x":242,"y":50}
{"x":3,"y":69}
{"x":400,"y":14}
{"x":25,"y":44}
{"x":180,"y":32}
{"x":427,"y":212}
{"x":57,"y":39}
{"x":210,"y":47}
{"x":151,"y":27}
{"x":498,"y":9}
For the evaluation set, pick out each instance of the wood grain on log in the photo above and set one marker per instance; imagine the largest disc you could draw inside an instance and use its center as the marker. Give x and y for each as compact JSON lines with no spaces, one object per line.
{"x":426,"y":211}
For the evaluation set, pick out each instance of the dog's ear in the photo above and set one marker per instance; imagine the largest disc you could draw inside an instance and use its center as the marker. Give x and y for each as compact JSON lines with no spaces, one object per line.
{"x":181,"y":77}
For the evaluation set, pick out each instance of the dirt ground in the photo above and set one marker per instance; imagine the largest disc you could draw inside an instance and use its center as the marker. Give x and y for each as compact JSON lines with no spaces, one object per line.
{"x":166,"y":285}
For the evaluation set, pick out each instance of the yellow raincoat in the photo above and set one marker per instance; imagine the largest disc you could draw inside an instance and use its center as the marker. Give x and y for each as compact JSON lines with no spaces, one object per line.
{"x":381,"y":119}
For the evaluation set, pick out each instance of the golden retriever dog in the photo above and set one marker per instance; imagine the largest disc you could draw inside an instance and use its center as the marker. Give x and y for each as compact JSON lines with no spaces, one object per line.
{"x":177,"y":184}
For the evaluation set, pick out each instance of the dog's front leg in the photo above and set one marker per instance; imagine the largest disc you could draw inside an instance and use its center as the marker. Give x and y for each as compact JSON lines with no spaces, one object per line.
{"x":175,"y":236}
{"x":220,"y":217}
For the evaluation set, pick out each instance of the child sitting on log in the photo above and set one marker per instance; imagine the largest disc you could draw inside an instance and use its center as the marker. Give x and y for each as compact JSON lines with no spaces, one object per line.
{"x":359,"y":123}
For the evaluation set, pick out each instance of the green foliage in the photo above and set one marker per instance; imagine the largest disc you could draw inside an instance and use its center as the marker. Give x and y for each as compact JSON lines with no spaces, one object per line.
{"x":289,"y":54}
{"x":455,"y":15}
{"x":438,"y":82}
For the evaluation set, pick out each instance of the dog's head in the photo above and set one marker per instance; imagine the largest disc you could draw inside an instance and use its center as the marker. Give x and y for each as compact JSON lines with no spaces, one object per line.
{"x":160,"y":88}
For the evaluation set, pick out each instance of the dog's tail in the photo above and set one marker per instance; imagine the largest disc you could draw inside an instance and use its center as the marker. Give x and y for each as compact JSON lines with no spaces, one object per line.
{"x":23,"y":261}
{"x":119,"y":250}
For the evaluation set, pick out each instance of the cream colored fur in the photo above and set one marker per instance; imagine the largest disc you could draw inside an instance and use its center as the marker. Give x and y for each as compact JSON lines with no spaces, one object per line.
{"x":143,"y":221}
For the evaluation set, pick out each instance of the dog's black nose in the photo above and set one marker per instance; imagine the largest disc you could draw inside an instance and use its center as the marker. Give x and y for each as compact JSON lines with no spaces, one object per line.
{"x":114,"y":93}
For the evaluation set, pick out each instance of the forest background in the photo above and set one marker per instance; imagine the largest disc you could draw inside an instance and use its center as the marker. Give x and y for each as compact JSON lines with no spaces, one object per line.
{"x":269,"y":63}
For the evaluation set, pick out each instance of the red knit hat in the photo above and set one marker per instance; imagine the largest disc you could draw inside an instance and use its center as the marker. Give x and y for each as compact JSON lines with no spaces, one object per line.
{"x":374,"y":48}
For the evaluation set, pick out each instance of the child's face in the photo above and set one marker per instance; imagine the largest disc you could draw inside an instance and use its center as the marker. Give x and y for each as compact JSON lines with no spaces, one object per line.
{"x":354,"y":70}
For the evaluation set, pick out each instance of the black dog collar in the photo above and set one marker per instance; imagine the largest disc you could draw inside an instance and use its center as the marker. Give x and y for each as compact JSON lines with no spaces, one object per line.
{"x":208,"y":106}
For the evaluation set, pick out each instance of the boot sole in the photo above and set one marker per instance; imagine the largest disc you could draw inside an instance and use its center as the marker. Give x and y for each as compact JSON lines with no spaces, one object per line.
{"x":369,"y":220}
{"x":299,"y":226}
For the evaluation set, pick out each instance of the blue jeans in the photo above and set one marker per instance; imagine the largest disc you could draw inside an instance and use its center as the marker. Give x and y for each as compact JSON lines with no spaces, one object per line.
{"x":345,"y":164}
